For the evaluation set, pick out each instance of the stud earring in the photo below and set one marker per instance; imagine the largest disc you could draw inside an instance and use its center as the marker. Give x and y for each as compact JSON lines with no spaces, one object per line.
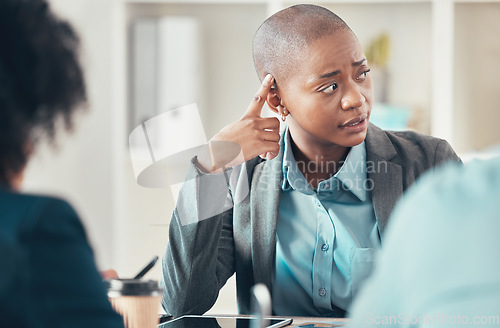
{"x":283,"y":114}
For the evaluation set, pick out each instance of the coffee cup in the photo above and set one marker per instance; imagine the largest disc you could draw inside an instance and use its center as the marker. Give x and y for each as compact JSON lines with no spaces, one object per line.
{"x":137,"y":301}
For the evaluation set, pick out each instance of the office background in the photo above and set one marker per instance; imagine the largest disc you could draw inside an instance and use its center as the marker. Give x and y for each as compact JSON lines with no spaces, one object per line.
{"x":441,"y":75}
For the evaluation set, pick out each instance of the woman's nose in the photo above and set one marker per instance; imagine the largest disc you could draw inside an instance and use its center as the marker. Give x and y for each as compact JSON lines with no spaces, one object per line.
{"x":352,"y":97}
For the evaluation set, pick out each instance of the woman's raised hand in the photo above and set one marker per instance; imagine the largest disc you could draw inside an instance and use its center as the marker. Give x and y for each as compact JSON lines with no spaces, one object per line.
{"x":250,"y":136}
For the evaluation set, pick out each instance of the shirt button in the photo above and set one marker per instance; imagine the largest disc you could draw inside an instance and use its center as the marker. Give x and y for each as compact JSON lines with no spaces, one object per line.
{"x":322,"y":292}
{"x":325,"y":247}
{"x":318,"y":203}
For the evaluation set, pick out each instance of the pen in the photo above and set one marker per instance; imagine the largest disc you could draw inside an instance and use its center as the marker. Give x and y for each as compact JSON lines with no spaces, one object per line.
{"x":146,"y":268}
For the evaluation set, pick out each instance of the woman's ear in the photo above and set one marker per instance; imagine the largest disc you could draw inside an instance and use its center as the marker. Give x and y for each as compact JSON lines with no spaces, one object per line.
{"x":274,"y":101}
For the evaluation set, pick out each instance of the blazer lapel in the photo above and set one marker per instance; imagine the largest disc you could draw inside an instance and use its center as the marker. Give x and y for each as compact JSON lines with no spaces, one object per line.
{"x":264,"y":209}
{"x":385,"y":176}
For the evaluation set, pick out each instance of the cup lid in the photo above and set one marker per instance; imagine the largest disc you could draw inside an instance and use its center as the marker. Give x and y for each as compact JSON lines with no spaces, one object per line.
{"x":131,"y":287}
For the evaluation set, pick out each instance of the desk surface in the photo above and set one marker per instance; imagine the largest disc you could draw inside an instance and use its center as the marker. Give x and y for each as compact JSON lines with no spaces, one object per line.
{"x":305,"y":322}
{"x":310,"y":322}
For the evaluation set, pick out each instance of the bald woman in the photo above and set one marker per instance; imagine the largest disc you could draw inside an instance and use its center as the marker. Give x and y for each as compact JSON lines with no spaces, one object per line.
{"x":304,"y":211}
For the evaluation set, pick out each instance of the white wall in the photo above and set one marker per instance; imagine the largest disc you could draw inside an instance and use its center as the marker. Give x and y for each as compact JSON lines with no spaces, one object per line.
{"x":81,"y":169}
{"x":91,"y":167}
{"x":477,"y":67}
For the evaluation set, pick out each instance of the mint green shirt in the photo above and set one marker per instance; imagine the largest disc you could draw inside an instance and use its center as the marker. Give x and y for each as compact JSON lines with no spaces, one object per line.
{"x":326,"y":238}
{"x":440,"y":265}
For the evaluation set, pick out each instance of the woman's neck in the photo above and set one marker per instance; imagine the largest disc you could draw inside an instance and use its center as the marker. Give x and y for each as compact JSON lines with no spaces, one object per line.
{"x":317,"y":162}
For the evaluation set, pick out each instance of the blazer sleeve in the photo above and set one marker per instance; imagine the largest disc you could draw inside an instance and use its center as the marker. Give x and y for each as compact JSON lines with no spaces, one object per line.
{"x":445,"y":153}
{"x":66,"y":288}
{"x":200,"y":252}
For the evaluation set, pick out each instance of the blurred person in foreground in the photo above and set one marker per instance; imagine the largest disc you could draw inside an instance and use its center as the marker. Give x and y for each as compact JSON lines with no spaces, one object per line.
{"x":439,"y":266}
{"x":48,"y":276}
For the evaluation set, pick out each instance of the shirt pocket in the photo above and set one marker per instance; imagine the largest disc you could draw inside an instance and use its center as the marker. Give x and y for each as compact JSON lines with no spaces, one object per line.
{"x":362,"y":260}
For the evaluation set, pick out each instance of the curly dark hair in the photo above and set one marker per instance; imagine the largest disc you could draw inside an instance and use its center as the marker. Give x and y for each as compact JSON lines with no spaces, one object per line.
{"x":41,"y":80}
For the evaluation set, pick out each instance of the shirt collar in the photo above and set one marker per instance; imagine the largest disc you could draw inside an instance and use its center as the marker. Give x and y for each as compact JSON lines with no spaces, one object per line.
{"x":292,"y":177}
{"x":352,"y":174}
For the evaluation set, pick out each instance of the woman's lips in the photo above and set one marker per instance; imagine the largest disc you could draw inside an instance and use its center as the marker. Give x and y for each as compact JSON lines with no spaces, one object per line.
{"x":356,"y":124}
{"x":354,"y":121}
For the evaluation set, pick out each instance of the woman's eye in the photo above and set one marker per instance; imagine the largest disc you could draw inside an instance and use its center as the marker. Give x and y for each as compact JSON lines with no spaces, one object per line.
{"x":363,"y":75}
{"x":331,"y":88}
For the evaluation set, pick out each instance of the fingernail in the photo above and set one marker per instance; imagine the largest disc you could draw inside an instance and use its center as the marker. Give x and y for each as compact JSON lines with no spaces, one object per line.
{"x":268,"y":78}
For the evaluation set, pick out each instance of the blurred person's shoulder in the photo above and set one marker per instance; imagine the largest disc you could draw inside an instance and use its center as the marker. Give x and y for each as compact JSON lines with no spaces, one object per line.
{"x":478,"y":181}
{"x":473,"y":178}
{"x":454,"y":194}
{"x":29,"y":212}
{"x":446,"y":223}
{"x":29,"y":222}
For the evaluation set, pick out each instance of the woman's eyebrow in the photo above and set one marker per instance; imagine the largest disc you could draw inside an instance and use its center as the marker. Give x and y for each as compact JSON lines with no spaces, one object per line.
{"x":358,"y":63}
{"x":329,"y":74}
{"x":355,"y":64}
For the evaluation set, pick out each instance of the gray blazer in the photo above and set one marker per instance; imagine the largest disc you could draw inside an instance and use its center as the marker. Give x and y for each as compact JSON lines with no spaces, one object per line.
{"x":227,"y":223}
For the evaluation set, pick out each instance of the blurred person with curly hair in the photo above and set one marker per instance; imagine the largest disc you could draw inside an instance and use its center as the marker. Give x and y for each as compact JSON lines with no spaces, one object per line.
{"x":48,"y":276}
